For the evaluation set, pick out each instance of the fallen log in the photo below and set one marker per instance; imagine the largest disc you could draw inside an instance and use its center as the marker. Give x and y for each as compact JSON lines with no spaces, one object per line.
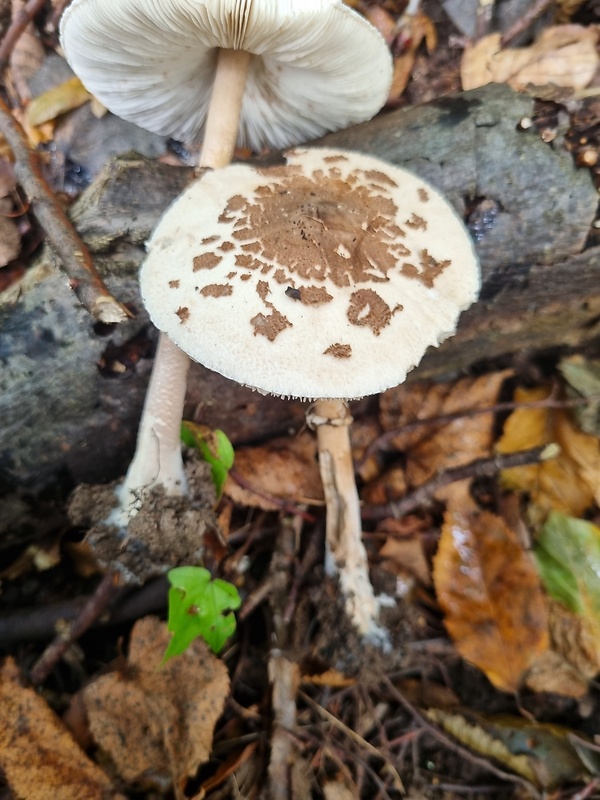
{"x":71,"y":391}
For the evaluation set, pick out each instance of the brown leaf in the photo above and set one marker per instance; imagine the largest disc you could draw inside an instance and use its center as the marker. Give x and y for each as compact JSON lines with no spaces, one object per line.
{"x":489,"y":591}
{"x":283,"y":471}
{"x":27,"y":55}
{"x":157,"y":720}
{"x":407,"y":555}
{"x":10,"y":241}
{"x":568,"y":483}
{"x":563,"y":55}
{"x":38,"y":756}
{"x":432,"y":447}
{"x":574,"y":658}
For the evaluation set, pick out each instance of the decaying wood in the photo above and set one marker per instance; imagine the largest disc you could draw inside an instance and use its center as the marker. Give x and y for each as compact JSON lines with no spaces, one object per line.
{"x":529,"y":208}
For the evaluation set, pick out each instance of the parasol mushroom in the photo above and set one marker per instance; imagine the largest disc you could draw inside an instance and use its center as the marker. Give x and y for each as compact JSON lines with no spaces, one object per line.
{"x":327,"y":278}
{"x":253,"y":72}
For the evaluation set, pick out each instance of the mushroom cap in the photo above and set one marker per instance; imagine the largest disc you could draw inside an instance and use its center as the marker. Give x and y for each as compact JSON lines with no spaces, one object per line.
{"x":318,"y":66}
{"x":326,"y":277}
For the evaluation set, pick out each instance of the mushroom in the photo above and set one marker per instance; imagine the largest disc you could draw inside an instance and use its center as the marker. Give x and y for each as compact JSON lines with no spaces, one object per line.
{"x":326,"y":278}
{"x":256,"y":72}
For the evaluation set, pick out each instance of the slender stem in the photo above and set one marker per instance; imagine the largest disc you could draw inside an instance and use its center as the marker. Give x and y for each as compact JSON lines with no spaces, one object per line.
{"x":157,"y":458}
{"x":158,"y":455}
{"x":223,"y":120}
{"x":346,"y":554}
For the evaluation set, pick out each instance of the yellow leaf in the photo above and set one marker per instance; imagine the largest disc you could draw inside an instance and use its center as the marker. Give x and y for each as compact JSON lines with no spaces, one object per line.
{"x":568,"y":483}
{"x":489,"y":591}
{"x":51,"y":104}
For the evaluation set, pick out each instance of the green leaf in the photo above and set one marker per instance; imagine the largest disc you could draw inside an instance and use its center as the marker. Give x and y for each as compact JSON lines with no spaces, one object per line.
{"x":215,"y":448}
{"x":568,"y":555}
{"x":199,"y":606}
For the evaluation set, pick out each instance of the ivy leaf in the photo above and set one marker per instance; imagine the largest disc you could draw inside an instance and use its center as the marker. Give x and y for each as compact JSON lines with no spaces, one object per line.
{"x":199,"y":606}
{"x":215,"y":448}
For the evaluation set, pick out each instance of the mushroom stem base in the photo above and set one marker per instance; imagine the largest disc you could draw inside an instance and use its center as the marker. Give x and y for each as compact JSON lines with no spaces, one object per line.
{"x":346,"y":554}
{"x":157,"y":460}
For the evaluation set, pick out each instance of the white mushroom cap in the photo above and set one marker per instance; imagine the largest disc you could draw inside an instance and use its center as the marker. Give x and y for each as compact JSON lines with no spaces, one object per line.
{"x":318,"y":66}
{"x":328,"y":277}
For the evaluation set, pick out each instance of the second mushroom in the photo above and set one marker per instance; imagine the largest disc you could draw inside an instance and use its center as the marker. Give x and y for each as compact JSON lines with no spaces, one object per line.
{"x":326,"y":279}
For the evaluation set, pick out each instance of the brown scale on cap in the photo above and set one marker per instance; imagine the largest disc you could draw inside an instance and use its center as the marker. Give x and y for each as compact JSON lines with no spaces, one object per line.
{"x":217,"y":290}
{"x":338,"y":350}
{"x":207,"y":261}
{"x":320,"y":228}
{"x":416,"y":222}
{"x":183,"y":313}
{"x":430,"y":269}
{"x":423,"y":195}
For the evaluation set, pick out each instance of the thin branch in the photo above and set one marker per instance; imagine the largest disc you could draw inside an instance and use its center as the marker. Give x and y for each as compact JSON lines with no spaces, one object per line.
{"x":480,"y":468}
{"x":16,"y":28}
{"x":384,"y":439}
{"x":450,"y":743}
{"x":106,"y":591}
{"x":352,"y":735}
{"x":62,"y":236}
{"x":527,"y":19}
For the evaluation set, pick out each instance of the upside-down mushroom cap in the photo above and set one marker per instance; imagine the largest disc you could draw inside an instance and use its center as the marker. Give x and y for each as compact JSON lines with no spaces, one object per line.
{"x":327,"y":277}
{"x":316,"y":65}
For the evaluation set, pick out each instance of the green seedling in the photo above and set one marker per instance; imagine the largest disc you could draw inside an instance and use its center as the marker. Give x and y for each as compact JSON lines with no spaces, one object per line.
{"x":215,"y":448}
{"x":199,"y":607}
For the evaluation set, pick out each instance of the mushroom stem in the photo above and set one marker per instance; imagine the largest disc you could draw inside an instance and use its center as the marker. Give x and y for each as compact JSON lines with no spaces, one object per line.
{"x":157,"y":459}
{"x":346,"y":554}
{"x":223,"y":120}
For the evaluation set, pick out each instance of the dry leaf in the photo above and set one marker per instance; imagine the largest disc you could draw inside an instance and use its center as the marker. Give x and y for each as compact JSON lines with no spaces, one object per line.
{"x":563,"y":55}
{"x":283,"y":471}
{"x":10,"y":239}
{"x":489,"y":591}
{"x":433,"y":447}
{"x":38,"y":756}
{"x":407,"y":555}
{"x":574,"y":658}
{"x":418,"y":28}
{"x":47,"y":106}
{"x":568,"y":483}
{"x":158,"y":720}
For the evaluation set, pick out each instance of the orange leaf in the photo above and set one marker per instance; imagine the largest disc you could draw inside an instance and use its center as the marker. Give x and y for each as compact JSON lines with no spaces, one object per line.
{"x":568,"y":483}
{"x":489,"y":591}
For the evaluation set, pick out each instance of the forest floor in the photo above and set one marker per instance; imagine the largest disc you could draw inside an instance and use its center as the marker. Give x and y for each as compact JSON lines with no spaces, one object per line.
{"x":483,"y":544}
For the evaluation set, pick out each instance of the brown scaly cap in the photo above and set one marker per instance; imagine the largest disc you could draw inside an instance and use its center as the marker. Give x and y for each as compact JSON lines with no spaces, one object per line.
{"x":327,"y":277}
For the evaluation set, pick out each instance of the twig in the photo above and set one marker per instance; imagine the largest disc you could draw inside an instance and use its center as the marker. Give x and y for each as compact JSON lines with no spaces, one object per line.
{"x":480,"y":468}
{"x":450,"y":743}
{"x":353,"y":735}
{"x":528,"y":18}
{"x":106,"y":591}
{"x":444,"y":419}
{"x":39,"y":623}
{"x":63,"y":238}
{"x":15,"y":30}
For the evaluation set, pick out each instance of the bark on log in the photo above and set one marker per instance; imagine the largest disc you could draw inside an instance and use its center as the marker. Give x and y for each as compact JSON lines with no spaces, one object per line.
{"x":527,"y":205}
